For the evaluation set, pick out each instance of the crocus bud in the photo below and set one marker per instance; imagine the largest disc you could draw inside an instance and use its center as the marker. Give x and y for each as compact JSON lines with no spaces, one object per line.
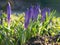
{"x":36,"y":11}
{"x":26,"y":18}
{"x":43,"y":13}
{"x":8,"y":14}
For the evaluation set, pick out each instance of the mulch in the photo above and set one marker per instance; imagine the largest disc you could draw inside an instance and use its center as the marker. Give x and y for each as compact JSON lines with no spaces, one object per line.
{"x":44,"y":40}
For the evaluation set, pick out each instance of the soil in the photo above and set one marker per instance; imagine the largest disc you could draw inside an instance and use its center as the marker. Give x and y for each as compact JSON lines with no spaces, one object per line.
{"x":44,"y":40}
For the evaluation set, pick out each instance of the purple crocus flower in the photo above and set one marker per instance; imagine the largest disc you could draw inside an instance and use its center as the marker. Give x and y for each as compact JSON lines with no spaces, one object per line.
{"x":43,"y":13}
{"x":28,"y":15}
{"x":31,"y":13}
{"x":8,"y":13}
{"x":48,"y":10}
{"x":26,"y":19}
{"x":36,"y":11}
